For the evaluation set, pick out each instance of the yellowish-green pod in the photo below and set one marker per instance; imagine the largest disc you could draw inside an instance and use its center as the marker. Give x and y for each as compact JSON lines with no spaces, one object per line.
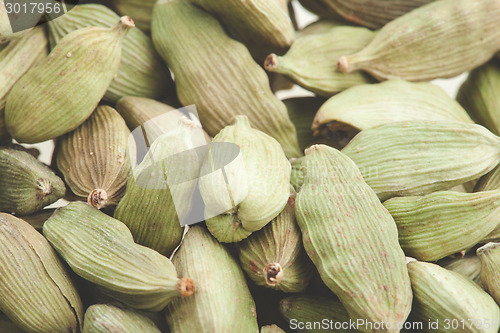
{"x":490,"y":181}
{"x":452,"y":301}
{"x":352,"y":240}
{"x":271,"y":329}
{"x":36,"y":292}
{"x":139,"y":10}
{"x":141,"y":72}
{"x":254,"y":188}
{"x":469,"y":266}
{"x":60,"y":93}
{"x":106,"y":318}
{"x":223,"y":81}
{"x":101,"y":250}
{"x":297,"y":174}
{"x":439,"y":40}
{"x":419,"y":157}
{"x":221,"y":301}
{"x":311,"y":60}
{"x":489,"y":255}
{"x":436,"y":225}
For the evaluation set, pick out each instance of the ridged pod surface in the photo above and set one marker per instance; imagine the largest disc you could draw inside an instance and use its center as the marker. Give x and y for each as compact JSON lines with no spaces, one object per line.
{"x":222,"y":81}
{"x":352,"y":240}
{"x":221,"y":301}
{"x":95,"y":159}
{"x":419,"y":157}
{"x":469,"y":266}
{"x":139,"y":10}
{"x":489,"y":255}
{"x":141,"y":72}
{"x":101,"y":250}
{"x":36,"y":292}
{"x":490,"y":181}
{"x":106,"y":318}
{"x":297,"y":174}
{"x":439,"y":40}
{"x":58,"y":95}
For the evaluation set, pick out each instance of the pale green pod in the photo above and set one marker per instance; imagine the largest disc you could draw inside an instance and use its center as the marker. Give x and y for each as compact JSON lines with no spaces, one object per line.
{"x":490,"y":181}
{"x":139,"y":10}
{"x":271,"y":329}
{"x":311,"y":60}
{"x":489,"y":255}
{"x":469,"y":266}
{"x":439,"y":40}
{"x":141,"y":72}
{"x":436,"y":225}
{"x":419,"y":157}
{"x":38,"y":109}
{"x":36,"y":292}
{"x":352,"y":240}
{"x":221,"y":301}
{"x":257,"y":186}
{"x":101,"y":250}
{"x":106,"y":318}
{"x":448,"y":298}
{"x":184,"y":35}
{"x":297,"y":174}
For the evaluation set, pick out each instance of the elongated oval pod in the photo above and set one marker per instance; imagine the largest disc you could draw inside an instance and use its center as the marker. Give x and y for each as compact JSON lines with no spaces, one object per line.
{"x":419,"y":157}
{"x":418,"y":46}
{"x":311,"y":60}
{"x":443,"y":296}
{"x":469,"y":266}
{"x":28,"y":185}
{"x":106,"y":318}
{"x":140,"y":11}
{"x":101,"y":250}
{"x":352,"y":239}
{"x":36,"y":292}
{"x":141,"y":71}
{"x":490,"y":181}
{"x":271,"y":329}
{"x":38,"y":109}
{"x":489,"y":255}
{"x":95,"y":159}
{"x":221,"y":301}
{"x":436,"y":225}
{"x":184,"y":35}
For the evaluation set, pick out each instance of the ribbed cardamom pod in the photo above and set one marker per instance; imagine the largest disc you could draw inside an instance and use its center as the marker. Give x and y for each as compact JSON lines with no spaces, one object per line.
{"x":27,"y":184}
{"x":370,"y":105}
{"x":352,"y":240}
{"x":418,"y":46}
{"x":106,"y":318}
{"x":489,"y":255}
{"x":479,"y":95}
{"x":469,"y":266}
{"x":297,"y":174}
{"x":101,"y":250}
{"x":95,"y":158}
{"x":139,"y":10}
{"x":222,"y":301}
{"x":311,"y":61}
{"x":274,"y":256}
{"x":419,"y":157}
{"x":490,"y":181}
{"x":57,"y":96}
{"x":271,"y":329}
{"x":321,"y":9}
{"x":141,"y":71}
{"x":219,"y":89}
{"x":248,"y":195}
{"x":306,"y":312}
{"x":37,"y":293}
{"x":436,"y":225}
{"x":443,"y":297}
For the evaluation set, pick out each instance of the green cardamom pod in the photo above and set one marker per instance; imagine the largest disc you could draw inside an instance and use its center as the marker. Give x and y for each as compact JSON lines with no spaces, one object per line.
{"x":222,"y":301}
{"x":58,"y":95}
{"x":419,"y":157}
{"x":101,"y":250}
{"x":352,"y":239}
{"x":489,"y":269}
{"x":139,"y":10}
{"x":219,"y":89}
{"x":37,"y":292}
{"x":106,"y":318}
{"x":418,"y":46}
{"x":490,"y":181}
{"x":271,"y":329}
{"x":297,"y":174}
{"x":469,"y":266}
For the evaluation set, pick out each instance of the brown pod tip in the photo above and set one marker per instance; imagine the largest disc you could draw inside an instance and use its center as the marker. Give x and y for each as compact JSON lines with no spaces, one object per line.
{"x":45,"y":188}
{"x":185,"y":286}
{"x":343,"y":65}
{"x":273,"y":274}
{"x":98,"y":198}
{"x":126,"y":21}
{"x":271,"y":62}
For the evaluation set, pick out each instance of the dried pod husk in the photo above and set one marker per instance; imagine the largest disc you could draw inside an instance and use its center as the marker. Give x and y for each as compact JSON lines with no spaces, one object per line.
{"x":252,"y":191}
{"x":37,"y":293}
{"x":311,"y":60}
{"x":95,"y":158}
{"x":352,"y":240}
{"x":419,"y":157}
{"x":107,"y":318}
{"x":101,"y":250}
{"x":442,"y":296}
{"x":27,"y":184}
{"x":436,"y":225}
{"x":38,"y":109}
{"x":490,"y":181}
{"x":274,"y":256}
{"x":489,"y":255}
{"x":297,"y":174}
{"x":37,"y":219}
{"x":271,"y":329}
{"x":480,"y":96}
{"x":221,"y":301}
{"x":469,"y":266}
{"x":141,"y":72}
{"x":184,"y":35}
{"x":139,"y":10}
{"x":411,"y":46}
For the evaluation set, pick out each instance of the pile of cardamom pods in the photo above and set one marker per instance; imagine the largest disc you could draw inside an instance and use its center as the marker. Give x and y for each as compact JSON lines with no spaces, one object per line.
{"x":184,"y":196}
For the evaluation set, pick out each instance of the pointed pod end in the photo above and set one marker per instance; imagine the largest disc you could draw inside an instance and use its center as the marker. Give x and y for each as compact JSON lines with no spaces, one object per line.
{"x":311,"y":149}
{"x":273,"y":274}
{"x":343,"y":65}
{"x":98,"y":198}
{"x":186,"y":286}
{"x":127,"y":22}
{"x":271,"y":62}
{"x":487,"y":248}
